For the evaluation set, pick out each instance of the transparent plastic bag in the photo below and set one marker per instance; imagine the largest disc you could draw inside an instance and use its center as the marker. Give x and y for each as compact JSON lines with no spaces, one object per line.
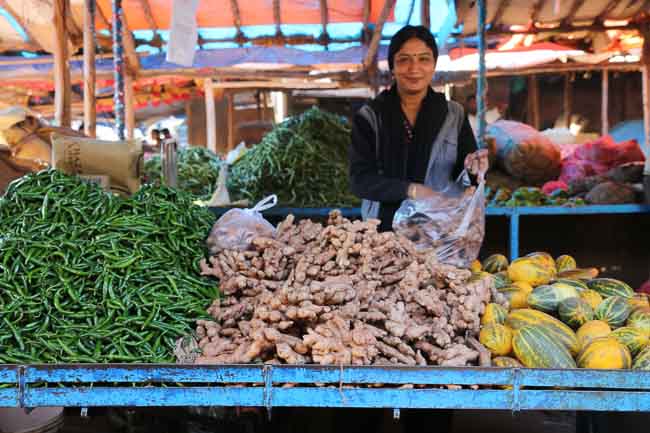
{"x":452,"y":223}
{"x":236,"y":229}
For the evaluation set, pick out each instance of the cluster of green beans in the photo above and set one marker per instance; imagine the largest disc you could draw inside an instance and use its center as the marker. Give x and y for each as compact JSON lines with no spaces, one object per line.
{"x":198,"y":171}
{"x":303,"y":160}
{"x":86,"y":276}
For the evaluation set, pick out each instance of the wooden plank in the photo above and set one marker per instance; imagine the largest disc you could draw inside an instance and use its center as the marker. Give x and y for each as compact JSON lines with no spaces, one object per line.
{"x":19,"y":19}
{"x":62,"y":96}
{"x":230,"y":100}
{"x":324,"y":20}
{"x":365,"y":30}
{"x":277,"y":18}
{"x":501,"y":9}
{"x":604,"y":104}
{"x":602,"y":16}
{"x":210,"y":115}
{"x":151,"y":20}
{"x":90,"y":105}
{"x":236,"y":20}
{"x":536,"y":10}
{"x":129,"y":109}
{"x":425,"y":10}
{"x":577,"y":4}
{"x":533,"y":102}
{"x":567,"y":100}
{"x":376,"y":35}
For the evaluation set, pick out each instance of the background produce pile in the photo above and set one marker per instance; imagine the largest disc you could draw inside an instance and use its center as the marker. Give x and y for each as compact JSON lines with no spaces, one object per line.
{"x":341,"y":294}
{"x":86,"y":276}
{"x":198,"y":170}
{"x":530,"y":196}
{"x":303,"y":160}
{"x":563,"y":317}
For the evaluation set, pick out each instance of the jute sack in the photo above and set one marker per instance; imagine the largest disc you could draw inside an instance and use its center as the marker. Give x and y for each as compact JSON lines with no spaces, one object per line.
{"x":120,"y":161}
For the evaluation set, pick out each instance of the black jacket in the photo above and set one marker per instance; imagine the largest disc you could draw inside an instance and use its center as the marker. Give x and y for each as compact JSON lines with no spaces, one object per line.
{"x":401,"y":164}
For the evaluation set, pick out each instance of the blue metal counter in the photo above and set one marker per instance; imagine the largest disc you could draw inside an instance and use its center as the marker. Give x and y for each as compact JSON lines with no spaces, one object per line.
{"x":512,"y":213}
{"x":268,"y":386}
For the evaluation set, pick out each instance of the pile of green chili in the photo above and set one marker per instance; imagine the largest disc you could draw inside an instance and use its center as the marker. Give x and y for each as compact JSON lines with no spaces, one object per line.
{"x":86,"y":276}
{"x":303,"y":160}
{"x":198,"y":171}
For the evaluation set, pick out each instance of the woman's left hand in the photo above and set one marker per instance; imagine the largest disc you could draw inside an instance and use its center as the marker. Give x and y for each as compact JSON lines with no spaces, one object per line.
{"x":477,"y":163}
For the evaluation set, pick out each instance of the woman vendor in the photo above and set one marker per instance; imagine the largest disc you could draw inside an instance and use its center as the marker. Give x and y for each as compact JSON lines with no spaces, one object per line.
{"x":410,"y":141}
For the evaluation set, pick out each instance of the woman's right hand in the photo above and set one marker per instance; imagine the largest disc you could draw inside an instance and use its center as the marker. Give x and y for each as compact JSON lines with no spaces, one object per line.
{"x":420,"y":192}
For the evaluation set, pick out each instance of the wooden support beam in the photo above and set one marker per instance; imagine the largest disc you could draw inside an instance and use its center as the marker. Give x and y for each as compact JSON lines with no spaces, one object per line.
{"x":236,"y":20}
{"x":62,"y":95}
{"x":567,"y":100}
{"x":496,"y":19}
{"x":132,"y":60}
{"x":536,"y":10}
{"x":103,"y":18}
{"x":148,"y":14}
{"x":90,"y":106}
{"x":19,"y":19}
{"x":324,"y":20}
{"x":604,"y":104}
{"x":210,"y":115}
{"x":230,"y":101}
{"x":426,"y":14}
{"x":376,"y":34}
{"x":577,"y":4}
{"x":277,"y":18}
{"x":533,"y":102}
{"x":365,"y":30}
{"x":602,"y":16}
{"x":129,"y":106}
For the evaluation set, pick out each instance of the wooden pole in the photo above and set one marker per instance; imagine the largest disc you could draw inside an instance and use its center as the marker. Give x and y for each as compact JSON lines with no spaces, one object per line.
{"x":604,"y":104}
{"x":129,"y":109}
{"x":210,"y":115}
{"x":230,"y":101}
{"x":62,"y":96}
{"x":567,"y":100}
{"x":533,"y":102}
{"x":376,"y":34}
{"x":426,"y":14}
{"x":90,"y":107}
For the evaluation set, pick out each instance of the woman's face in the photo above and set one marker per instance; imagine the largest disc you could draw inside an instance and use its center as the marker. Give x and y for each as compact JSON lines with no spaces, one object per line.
{"x":413,"y":67}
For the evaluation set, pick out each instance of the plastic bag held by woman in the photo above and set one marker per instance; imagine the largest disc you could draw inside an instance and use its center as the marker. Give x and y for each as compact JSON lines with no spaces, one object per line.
{"x":451,"y":222}
{"x":236,"y":229}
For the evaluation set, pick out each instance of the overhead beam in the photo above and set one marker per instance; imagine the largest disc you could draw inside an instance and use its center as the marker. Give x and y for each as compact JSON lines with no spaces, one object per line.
{"x":277,"y":18}
{"x":236,"y":20}
{"x":151,"y":20}
{"x":567,"y":100}
{"x":132,"y":61}
{"x":602,"y":16}
{"x":604,"y":104}
{"x":503,"y":5}
{"x":90,"y":76}
{"x":537,"y":9}
{"x":324,"y":21}
{"x":376,"y":34}
{"x":575,"y":7}
{"x":19,"y":19}
{"x":365,"y":30}
{"x":62,"y":94}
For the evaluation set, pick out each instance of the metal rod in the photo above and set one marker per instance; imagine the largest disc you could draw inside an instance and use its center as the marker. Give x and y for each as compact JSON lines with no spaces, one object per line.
{"x":118,"y":69}
{"x":481,"y":85}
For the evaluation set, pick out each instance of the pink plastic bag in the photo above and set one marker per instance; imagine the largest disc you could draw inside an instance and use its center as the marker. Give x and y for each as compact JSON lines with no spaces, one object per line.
{"x":607,"y":152}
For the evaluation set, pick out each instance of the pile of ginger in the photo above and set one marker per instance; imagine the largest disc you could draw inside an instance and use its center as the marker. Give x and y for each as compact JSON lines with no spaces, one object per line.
{"x":340,"y":293}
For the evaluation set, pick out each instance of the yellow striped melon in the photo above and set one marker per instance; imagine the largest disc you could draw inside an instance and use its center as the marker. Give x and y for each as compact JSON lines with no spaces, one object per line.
{"x":506,"y":362}
{"x":642,"y":360}
{"x":495,"y":263}
{"x":575,"y":312}
{"x":614,"y":310}
{"x":517,"y":298}
{"x":475,"y":266}
{"x":533,"y":272}
{"x":584,"y":274}
{"x":536,"y":347}
{"x":565,"y":263}
{"x":494,"y":313}
{"x":517,"y":319}
{"x":634,"y":339}
{"x":638,"y":300}
{"x":592,"y":297}
{"x":592,"y":330}
{"x":605,"y":353}
{"x":640,"y":319}
{"x":497,"y":339}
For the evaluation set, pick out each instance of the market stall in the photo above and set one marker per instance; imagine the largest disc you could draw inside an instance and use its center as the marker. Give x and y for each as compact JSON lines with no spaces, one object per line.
{"x":100,"y":291}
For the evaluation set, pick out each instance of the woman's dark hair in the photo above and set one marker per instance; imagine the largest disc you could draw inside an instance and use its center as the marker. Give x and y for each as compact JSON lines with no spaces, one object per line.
{"x":409,"y":32}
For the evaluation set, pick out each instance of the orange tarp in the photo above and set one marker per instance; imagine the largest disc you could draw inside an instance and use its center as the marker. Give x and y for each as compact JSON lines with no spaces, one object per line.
{"x":218,"y":13}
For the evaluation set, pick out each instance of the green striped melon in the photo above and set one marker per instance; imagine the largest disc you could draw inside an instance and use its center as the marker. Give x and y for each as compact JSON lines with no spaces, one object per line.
{"x":536,"y":347}
{"x":565,"y":263}
{"x":642,"y":360}
{"x":517,"y":319}
{"x":610,"y":287}
{"x":640,"y":319}
{"x":575,"y":312}
{"x":580,"y":286}
{"x":495,"y":263}
{"x":494,"y":313}
{"x":505,"y":362}
{"x":605,"y":353}
{"x":592,"y":297}
{"x":547,"y":297}
{"x":614,"y":310}
{"x":634,"y":339}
